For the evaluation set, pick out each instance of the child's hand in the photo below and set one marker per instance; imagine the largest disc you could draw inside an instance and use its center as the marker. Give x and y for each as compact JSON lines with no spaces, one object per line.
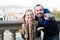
{"x":40,"y":28}
{"x":26,"y":36}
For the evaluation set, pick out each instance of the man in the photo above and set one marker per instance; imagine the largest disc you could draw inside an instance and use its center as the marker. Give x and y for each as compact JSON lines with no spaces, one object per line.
{"x":46,"y":23}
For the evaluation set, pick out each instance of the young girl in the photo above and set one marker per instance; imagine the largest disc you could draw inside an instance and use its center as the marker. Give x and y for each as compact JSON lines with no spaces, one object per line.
{"x":29,"y":26}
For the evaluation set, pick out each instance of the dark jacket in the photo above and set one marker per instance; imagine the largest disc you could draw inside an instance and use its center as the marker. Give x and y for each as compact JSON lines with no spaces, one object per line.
{"x":51,"y":27}
{"x":41,"y":23}
{"x":38,"y":33}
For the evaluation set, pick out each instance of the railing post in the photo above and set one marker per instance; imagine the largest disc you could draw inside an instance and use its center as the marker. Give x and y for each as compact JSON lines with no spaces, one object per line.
{"x":1,"y":34}
{"x":9,"y":35}
{"x":14,"y":35}
{"x":12,"y":26}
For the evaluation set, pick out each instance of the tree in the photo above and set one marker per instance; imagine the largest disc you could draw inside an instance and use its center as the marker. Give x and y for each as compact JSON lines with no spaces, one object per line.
{"x":56,"y":13}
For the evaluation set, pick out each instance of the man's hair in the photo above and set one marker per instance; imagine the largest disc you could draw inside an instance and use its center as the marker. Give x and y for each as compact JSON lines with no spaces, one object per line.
{"x":38,"y":5}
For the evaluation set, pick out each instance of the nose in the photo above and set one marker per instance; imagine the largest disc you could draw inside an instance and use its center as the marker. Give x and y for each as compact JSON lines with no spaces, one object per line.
{"x":39,"y":11}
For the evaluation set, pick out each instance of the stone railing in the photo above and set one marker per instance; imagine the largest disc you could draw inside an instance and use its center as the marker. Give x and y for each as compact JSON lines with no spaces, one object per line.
{"x":12,"y":26}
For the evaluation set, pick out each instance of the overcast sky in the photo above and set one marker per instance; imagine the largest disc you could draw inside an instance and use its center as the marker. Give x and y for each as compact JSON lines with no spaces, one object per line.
{"x":31,"y":3}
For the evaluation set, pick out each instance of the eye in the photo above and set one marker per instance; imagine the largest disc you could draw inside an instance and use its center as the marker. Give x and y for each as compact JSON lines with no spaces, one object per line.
{"x":41,"y":9}
{"x":27,"y":15}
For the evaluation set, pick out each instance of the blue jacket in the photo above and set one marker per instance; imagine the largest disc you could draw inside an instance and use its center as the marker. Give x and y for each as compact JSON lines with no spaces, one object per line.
{"x":38,"y":33}
{"x":41,"y":23}
{"x":46,"y":11}
{"x":51,"y":27}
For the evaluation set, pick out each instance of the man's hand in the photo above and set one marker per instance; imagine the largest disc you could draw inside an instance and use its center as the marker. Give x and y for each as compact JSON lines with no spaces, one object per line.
{"x":40,"y":28}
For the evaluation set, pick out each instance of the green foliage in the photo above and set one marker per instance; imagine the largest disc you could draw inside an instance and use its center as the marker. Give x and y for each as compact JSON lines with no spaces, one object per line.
{"x":56,"y":14}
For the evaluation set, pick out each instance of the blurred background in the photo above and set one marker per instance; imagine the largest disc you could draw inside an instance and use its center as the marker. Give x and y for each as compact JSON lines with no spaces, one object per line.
{"x":11,"y":10}
{"x":14,"y":10}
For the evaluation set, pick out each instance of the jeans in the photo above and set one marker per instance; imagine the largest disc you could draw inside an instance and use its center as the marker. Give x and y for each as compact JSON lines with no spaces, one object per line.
{"x":55,"y":37}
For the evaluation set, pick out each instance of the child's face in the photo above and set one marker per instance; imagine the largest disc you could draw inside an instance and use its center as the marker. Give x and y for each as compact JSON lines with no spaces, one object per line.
{"x":48,"y":15}
{"x":29,"y":15}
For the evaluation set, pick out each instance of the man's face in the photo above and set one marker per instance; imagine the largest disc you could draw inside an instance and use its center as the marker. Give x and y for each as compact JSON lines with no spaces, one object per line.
{"x":39,"y":11}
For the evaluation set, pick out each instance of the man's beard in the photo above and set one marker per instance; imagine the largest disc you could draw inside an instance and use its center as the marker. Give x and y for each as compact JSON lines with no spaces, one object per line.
{"x":40,"y":16}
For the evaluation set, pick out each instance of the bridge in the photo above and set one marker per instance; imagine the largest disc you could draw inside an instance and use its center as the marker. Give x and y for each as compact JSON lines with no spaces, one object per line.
{"x":13,"y":26}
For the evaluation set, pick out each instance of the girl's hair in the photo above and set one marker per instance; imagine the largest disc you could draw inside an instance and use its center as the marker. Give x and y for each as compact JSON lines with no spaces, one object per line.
{"x":26,"y":12}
